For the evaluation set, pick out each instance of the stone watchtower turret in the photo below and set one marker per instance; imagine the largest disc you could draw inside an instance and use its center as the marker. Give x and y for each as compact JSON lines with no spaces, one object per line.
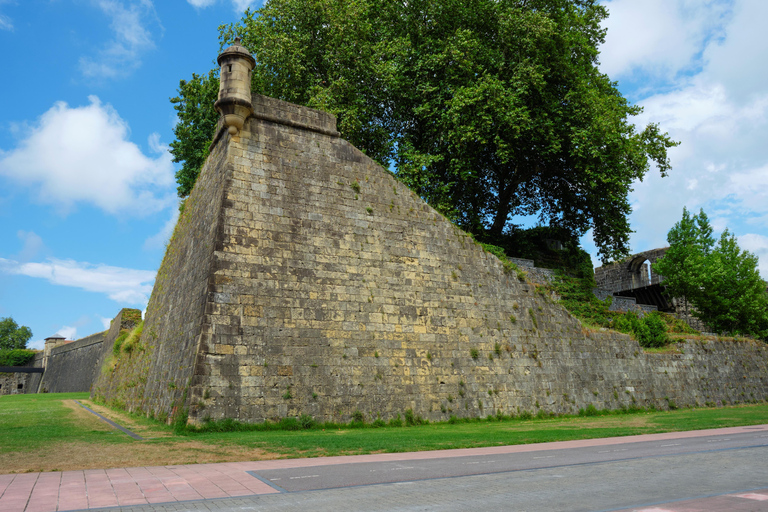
{"x":234,"y":101}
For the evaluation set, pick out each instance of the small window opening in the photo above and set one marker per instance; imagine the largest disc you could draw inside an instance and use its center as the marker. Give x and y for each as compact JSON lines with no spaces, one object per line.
{"x":20,"y":386}
{"x":230,"y":68}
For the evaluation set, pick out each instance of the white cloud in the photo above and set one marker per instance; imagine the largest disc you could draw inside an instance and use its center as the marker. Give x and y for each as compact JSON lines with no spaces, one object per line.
{"x":123,"y":285}
{"x":237,"y":5}
{"x":33,"y":245}
{"x":159,"y":239}
{"x":660,"y":38}
{"x":737,"y":60}
{"x":131,"y":39}
{"x":757,"y":245}
{"x":83,"y":154}
{"x":711,"y":94}
{"x":68,"y":332}
{"x":36,"y":345}
{"x":201,"y":3}
{"x":5,"y":22}
{"x":106,"y":322}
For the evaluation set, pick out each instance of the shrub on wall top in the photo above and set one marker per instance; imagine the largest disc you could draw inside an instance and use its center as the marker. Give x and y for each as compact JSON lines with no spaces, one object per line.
{"x":16,"y":357}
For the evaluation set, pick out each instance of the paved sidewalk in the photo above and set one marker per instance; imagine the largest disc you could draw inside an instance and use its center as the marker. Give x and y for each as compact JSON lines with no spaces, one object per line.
{"x":75,"y":490}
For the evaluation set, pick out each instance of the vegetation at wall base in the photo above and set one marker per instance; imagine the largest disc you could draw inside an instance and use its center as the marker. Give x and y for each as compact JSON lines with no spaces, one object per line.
{"x":37,"y":428}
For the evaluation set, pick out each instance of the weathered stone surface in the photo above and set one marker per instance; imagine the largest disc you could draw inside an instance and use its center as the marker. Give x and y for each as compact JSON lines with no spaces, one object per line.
{"x":72,"y":367}
{"x":20,"y":382}
{"x":631,"y":273}
{"x":303,"y":278}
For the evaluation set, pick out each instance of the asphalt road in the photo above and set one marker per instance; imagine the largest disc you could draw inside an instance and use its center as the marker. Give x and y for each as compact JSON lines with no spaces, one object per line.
{"x":656,"y":475}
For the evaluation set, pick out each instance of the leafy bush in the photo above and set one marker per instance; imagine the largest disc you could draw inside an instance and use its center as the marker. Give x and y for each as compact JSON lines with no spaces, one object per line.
{"x":16,"y":357}
{"x":307,"y":421}
{"x":396,"y":421}
{"x":657,"y":331}
{"x":577,"y":297}
{"x":411,"y":419}
{"x":650,"y":331}
{"x":677,"y":325}
{"x":290,"y":424}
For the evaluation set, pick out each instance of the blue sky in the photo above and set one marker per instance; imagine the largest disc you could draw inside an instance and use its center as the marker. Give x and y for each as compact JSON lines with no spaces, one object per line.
{"x":87,"y":195}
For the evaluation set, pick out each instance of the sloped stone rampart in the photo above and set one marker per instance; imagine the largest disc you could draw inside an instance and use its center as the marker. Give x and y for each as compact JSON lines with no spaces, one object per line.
{"x":154,"y":378}
{"x":303,"y":278}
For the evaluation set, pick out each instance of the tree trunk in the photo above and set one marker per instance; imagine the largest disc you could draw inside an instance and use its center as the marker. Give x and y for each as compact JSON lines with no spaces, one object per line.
{"x":502,"y":209}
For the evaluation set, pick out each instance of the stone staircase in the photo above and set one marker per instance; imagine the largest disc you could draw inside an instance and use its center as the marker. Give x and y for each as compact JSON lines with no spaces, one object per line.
{"x":535,"y":274}
{"x":624,"y":303}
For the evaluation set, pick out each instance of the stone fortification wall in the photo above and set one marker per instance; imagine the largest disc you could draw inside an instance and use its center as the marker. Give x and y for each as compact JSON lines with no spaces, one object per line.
{"x":631,"y":273}
{"x":14,"y":383}
{"x":21,"y":382}
{"x":304,"y":279}
{"x":73,"y":367}
{"x":154,"y":378}
{"x":534,"y":274}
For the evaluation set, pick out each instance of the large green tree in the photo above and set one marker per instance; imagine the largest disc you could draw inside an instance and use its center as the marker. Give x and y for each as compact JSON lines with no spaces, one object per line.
{"x":720,"y":280}
{"x":12,"y":336}
{"x":195,"y":126}
{"x":690,"y":243}
{"x":487,"y":108}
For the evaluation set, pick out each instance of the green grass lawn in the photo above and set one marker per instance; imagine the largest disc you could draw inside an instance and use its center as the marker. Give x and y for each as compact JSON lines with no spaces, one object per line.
{"x":345,"y":441}
{"x":39,"y":425}
{"x":31,"y":422}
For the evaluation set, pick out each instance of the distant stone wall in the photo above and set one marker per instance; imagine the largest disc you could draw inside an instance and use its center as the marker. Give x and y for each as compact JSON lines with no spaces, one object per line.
{"x":22,"y":383}
{"x":303,"y":278}
{"x":72,"y":367}
{"x":631,"y":273}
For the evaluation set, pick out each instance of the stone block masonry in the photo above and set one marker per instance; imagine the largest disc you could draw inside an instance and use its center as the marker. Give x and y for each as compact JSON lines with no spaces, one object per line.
{"x":303,"y":278}
{"x":72,"y":367}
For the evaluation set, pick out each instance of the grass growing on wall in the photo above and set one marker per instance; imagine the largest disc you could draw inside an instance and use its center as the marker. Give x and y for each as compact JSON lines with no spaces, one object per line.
{"x":126,"y":343}
{"x":653,"y":330}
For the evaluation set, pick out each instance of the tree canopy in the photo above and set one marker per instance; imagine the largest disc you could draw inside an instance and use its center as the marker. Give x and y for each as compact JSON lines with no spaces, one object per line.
{"x":486,"y":108}
{"x":720,"y":279}
{"x":12,"y":336}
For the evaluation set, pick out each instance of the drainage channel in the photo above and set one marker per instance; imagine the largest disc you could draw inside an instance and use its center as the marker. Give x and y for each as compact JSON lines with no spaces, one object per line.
{"x":107,"y":420}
